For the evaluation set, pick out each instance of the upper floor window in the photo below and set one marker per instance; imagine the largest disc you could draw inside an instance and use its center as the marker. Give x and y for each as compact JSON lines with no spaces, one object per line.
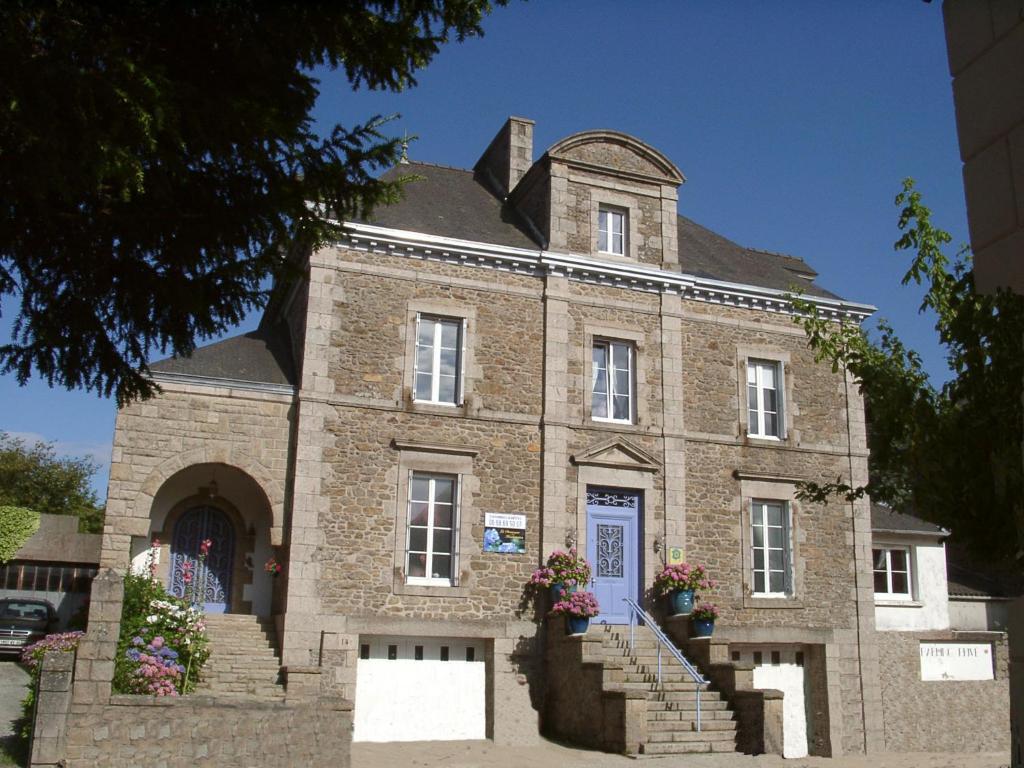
{"x":772,"y":566}
{"x":612,"y":382}
{"x":764,"y":398}
{"x":433,"y":522}
{"x":892,"y":573}
{"x":438,"y":366}
{"x":611,"y":231}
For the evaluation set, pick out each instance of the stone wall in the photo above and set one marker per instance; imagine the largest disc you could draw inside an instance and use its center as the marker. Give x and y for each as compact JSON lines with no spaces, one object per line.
{"x":942,"y":715}
{"x":193,"y":730}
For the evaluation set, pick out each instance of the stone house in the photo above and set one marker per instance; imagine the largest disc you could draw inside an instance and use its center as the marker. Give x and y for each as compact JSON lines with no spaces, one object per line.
{"x":532,"y":353}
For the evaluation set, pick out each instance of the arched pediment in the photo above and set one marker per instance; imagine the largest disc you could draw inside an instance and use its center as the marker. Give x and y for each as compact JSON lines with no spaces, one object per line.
{"x":616,"y":151}
{"x":617,"y":454}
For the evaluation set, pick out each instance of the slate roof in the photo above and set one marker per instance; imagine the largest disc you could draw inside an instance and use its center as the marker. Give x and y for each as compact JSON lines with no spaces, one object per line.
{"x":889,"y":520}
{"x":263,"y":356}
{"x":451,"y":202}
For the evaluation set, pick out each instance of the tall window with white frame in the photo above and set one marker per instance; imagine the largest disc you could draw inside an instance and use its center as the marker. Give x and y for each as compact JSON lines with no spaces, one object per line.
{"x":612,"y":385}
{"x":770,"y":549}
{"x":432,"y":547}
{"x":764,"y":399}
{"x":611,"y":231}
{"x":892,"y":573}
{"x":438,"y":366}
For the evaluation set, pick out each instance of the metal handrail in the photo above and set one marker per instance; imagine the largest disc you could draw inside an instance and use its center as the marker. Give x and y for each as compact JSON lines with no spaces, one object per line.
{"x":637,"y":611}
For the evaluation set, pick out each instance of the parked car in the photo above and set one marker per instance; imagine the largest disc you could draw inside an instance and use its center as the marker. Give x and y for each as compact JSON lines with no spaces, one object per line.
{"x":22,"y":622}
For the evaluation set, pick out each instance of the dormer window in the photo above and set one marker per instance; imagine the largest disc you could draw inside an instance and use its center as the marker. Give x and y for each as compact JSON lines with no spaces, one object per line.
{"x":611,"y":231}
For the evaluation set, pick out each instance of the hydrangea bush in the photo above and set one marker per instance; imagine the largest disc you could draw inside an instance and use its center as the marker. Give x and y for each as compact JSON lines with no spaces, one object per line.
{"x":705,"y":612}
{"x":564,"y":567}
{"x":581,"y":604}
{"x":163,"y":645}
{"x":673,"y":578}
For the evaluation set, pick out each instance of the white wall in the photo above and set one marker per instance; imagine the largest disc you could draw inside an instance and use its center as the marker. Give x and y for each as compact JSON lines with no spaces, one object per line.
{"x":982,"y":614}
{"x":930,"y":607}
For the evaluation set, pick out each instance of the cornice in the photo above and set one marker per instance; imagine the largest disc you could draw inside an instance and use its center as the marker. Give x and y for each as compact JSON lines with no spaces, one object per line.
{"x":637,"y":277}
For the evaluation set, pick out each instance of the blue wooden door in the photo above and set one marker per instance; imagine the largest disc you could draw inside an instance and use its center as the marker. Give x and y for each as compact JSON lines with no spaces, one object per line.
{"x":613,"y":517}
{"x":204,"y":581}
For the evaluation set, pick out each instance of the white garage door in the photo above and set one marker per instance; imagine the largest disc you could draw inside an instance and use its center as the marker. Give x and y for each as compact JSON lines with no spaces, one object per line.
{"x":782,"y":668}
{"x":420,"y":689}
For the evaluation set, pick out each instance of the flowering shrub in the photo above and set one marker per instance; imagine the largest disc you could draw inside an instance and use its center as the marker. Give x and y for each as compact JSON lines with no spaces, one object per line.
{"x":682,"y":576}
{"x":272,"y":567}
{"x":32,"y":656}
{"x":159,"y":634}
{"x":705,"y":612}
{"x":580,"y":604}
{"x":564,"y":567}
{"x":156,"y":668}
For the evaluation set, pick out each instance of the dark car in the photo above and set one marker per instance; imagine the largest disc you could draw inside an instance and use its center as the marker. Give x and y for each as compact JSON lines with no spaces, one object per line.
{"x":22,"y":622}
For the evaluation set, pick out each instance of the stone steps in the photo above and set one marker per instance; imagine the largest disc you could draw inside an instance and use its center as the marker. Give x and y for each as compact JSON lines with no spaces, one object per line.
{"x":243,"y":658}
{"x":672,"y":703}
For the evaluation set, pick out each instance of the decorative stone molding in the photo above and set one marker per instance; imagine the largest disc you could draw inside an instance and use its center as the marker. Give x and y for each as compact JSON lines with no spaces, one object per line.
{"x":616,"y":454}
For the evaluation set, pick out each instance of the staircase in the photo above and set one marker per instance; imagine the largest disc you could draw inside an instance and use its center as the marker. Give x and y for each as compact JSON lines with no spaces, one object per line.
{"x":243,"y":657}
{"x":672,"y":705}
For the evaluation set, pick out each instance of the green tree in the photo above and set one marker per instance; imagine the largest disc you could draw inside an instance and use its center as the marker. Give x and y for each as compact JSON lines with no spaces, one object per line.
{"x":158,"y":163}
{"x":33,"y":476}
{"x":951,"y":455}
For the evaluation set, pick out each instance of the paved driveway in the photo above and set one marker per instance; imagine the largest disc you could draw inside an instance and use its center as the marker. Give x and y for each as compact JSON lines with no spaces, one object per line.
{"x":483,"y":754}
{"x":12,"y":690}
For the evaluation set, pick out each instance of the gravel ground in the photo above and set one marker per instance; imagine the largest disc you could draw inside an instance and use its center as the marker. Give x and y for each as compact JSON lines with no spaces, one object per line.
{"x":484,"y":754}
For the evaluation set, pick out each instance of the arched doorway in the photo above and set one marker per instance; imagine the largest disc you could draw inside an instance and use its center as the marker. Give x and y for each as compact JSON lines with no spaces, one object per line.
{"x":205,"y":581}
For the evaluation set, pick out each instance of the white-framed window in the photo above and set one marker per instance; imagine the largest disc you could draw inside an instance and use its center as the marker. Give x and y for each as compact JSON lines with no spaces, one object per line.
{"x":892,"y":573}
{"x":770,"y":549}
{"x":764,"y":399}
{"x":611,"y":231}
{"x":432,"y":547}
{"x":439,"y":358}
{"x":611,"y":389}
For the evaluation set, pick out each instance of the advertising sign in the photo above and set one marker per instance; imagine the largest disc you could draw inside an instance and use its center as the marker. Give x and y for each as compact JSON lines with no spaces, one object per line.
{"x":505,"y":533}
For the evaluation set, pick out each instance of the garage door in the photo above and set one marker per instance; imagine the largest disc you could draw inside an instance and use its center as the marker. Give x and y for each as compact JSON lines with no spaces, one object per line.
{"x":782,"y":668}
{"x":420,"y":689}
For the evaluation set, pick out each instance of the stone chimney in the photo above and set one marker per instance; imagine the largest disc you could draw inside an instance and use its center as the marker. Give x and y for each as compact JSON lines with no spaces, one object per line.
{"x":509,"y":155}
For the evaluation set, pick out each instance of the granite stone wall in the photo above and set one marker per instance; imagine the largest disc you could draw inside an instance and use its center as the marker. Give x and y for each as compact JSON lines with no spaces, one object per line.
{"x":942,"y":715}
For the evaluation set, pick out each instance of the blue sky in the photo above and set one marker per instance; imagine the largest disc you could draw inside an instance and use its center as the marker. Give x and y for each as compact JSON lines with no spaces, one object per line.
{"x":794,"y":123}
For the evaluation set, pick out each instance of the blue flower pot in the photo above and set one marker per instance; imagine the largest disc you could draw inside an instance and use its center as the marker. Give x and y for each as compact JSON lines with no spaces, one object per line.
{"x":703,"y":627}
{"x":558,"y":589}
{"x":681,"y":602}
{"x":576,"y":625}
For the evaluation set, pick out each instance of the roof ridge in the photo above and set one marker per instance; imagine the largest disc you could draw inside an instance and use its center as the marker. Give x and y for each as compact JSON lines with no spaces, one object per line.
{"x":436,"y":165}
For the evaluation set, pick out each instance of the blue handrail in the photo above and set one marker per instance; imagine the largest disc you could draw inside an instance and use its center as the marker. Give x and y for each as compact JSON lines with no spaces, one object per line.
{"x":637,"y":611}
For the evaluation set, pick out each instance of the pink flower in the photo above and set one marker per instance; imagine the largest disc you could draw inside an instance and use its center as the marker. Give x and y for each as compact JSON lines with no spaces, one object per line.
{"x":204,"y":548}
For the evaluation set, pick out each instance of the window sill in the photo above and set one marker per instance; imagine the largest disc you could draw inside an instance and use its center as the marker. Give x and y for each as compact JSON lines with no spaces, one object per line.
{"x":765,"y":438}
{"x":884,"y":602}
{"x":760,"y":601}
{"x":400,"y":587}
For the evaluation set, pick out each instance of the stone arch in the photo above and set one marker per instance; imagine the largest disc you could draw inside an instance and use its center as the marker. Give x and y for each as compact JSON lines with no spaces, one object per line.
{"x":658,"y":165}
{"x":272,"y":489}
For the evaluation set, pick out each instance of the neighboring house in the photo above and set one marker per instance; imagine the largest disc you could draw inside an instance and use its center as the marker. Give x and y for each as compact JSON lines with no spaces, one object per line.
{"x":938,"y":653}
{"x":56,"y":564}
{"x":512,"y":359}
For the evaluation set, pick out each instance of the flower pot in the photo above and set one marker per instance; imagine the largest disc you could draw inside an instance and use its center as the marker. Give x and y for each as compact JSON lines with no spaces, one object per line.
{"x":558,"y":589}
{"x":703,"y":627}
{"x":576,"y":625}
{"x":681,"y":602}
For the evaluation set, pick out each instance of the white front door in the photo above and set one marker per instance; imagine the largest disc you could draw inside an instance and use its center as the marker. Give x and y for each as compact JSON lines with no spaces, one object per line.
{"x":420,"y":689}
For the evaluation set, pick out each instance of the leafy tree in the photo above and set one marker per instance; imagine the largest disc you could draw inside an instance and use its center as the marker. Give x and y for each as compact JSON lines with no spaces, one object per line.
{"x":158,"y":162}
{"x":35,"y":478}
{"x":950,"y":455}
{"x":17,"y":525}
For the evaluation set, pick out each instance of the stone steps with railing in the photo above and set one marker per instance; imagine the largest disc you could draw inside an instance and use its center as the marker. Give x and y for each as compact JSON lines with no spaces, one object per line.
{"x":671,"y":716}
{"x":243,"y":658}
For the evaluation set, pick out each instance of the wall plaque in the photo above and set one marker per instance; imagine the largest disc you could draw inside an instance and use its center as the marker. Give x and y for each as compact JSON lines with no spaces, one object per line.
{"x":956,"y":661}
